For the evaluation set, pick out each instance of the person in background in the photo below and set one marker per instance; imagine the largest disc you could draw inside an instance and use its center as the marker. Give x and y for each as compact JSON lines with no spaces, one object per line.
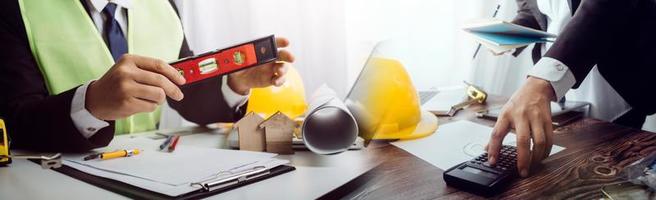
{"x":75,"y":73}
{"x":614,"y":35}
{"x":552,"y":16}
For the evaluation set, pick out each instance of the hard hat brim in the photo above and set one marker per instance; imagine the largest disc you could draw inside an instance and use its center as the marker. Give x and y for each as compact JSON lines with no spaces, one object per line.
{"x":425,"y":127}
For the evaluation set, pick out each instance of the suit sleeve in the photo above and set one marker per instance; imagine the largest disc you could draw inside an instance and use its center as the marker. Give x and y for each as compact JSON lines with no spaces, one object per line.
{"x":524,"y":18}
{"x":587,"y":36}
{"x":35,"y":119}
{"x":204,"y":102}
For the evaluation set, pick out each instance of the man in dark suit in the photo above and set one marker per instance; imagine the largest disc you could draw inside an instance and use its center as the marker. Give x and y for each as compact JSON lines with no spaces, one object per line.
{"x":615,"y":35}
{"x":39,"y":120}
{"x":551,"y":16}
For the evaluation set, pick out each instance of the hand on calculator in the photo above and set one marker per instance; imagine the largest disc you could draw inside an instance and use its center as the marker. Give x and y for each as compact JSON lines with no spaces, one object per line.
{"x":528,"y":112}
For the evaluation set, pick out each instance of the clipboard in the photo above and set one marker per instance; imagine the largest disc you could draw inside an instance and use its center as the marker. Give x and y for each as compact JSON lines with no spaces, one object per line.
{"x":208,"y":188}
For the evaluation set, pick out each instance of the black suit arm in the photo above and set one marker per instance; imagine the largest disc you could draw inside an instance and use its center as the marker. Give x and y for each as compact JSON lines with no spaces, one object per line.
{"x":525,"y":15}
{"x":35,"y":119}
{"x":587,"y":37}
{"x":204,"y":103}
{"x":43,"y":123}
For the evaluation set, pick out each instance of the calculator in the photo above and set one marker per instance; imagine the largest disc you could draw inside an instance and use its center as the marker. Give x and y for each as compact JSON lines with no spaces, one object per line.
{"x":479,"y":177}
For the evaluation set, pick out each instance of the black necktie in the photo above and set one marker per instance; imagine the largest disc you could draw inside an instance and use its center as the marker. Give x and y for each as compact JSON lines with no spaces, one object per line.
{"x":115,"y":38}
{"x":573,"y":5}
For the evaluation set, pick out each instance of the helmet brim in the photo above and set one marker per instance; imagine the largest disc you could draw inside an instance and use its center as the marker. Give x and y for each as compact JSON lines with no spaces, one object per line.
{"x":425,"y":127}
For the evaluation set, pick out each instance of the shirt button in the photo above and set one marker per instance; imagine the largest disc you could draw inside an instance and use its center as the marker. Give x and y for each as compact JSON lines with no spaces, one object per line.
{"x":91,"y":129}
{"x":560,"y":67}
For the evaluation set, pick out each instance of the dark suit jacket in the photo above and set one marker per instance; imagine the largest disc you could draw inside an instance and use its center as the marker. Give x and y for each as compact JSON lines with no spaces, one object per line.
{"x":529,"y":15}
{"x":39,"y":121}
{"x":619,"y":36}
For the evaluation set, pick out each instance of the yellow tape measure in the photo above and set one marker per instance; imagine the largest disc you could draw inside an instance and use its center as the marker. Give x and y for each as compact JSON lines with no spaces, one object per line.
{"x":476,"y":93}
{"x":4,"y":144}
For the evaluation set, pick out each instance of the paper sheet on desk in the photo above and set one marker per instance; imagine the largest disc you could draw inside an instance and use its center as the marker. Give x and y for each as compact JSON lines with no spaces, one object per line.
{"x":170,"y":173}
{"x":455,"y":143}
{"x":445,"y":99}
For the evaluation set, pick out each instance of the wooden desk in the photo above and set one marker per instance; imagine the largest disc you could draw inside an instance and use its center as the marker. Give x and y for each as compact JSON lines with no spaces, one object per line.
{"x":595,"y":156}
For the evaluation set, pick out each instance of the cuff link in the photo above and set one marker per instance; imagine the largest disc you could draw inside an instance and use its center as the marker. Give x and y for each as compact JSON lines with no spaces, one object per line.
{"x":560,"y":67}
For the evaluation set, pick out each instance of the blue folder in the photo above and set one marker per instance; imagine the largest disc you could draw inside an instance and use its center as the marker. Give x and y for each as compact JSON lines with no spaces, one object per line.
{"x":503,"y":39}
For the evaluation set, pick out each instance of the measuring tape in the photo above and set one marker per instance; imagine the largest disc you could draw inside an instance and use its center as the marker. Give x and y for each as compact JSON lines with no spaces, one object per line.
{"x":224,"y":61}
{"x":4,"y":144}
{"x":474,"y":95}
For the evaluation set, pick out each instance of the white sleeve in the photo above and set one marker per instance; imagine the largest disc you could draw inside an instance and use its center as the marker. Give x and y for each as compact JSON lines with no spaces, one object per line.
{"x":231,"y":97}
{"x":85,"y":123}
{"x":557,"y":73}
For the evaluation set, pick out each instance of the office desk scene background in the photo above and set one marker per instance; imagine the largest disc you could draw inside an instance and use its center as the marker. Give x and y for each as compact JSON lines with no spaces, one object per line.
{"x":596,"y":154}
{"x":332,"y":40}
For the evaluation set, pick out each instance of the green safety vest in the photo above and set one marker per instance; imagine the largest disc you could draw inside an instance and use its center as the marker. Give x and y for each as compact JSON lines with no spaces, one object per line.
{"x":70,"y":51}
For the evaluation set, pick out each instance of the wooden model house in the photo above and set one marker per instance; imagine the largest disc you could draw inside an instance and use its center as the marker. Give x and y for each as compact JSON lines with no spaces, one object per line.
{"x":251,"y":136}
{"x":279,"y":130}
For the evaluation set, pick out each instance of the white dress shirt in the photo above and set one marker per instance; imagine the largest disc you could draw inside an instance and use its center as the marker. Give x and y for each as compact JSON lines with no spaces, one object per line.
{"x":86,"y":123}
{"x":552,"y":70}
{"x":607,"y":103}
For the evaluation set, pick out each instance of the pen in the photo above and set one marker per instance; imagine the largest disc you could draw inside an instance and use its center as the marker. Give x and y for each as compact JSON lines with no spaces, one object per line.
{"x":478,"y":48}
{"x":113,"y":154}
{"x":166,"y":143}
{"x":174,"y":143}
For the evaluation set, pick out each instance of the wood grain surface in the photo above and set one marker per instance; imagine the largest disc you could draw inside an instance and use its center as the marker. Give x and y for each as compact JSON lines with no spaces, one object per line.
{"x":596,"y":153}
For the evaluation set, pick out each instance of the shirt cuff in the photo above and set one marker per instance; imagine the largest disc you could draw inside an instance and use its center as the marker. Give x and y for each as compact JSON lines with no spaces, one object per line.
{"x":85,"y":123}
{"x":231,"y":97}
{"x":558,"y":74}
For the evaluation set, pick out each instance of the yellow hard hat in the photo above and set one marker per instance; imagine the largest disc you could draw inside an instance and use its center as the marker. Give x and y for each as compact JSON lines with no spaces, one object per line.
{"x":386,"y":105}
{"x":288,"y":98}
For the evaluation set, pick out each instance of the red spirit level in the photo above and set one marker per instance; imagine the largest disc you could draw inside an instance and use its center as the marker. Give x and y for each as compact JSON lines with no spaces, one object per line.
{"x":224,"y":61}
